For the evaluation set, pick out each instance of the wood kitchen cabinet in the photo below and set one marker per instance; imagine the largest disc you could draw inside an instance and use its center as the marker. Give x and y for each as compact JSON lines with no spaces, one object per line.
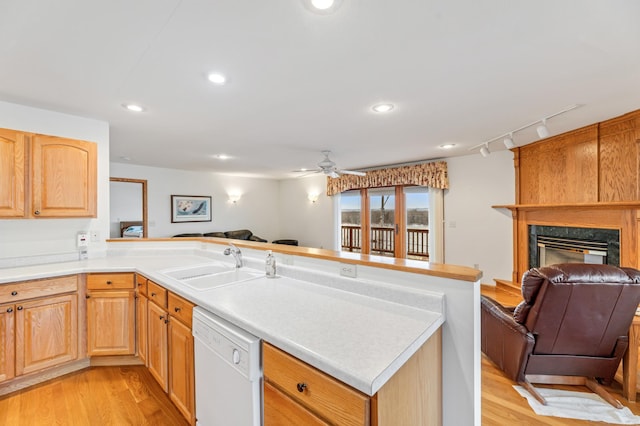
{"x":59,"y":174}
{"x":170,"y":347}
{"x":142,"y":306}
{"x":296,"y":393}
{"x":38,"y":325}
{"x":13,"y":145}
{"x":110,"y":314}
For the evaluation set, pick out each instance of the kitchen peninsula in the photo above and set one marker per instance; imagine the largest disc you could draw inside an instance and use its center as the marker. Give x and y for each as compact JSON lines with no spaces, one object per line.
{"x":361,"y":331}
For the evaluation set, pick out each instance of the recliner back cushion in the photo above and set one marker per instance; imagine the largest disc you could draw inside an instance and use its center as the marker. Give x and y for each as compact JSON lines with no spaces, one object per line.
{"x":580,"y":308}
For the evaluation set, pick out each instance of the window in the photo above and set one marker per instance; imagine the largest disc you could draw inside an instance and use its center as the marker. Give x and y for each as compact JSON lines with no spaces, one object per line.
{"x":392,"y":221}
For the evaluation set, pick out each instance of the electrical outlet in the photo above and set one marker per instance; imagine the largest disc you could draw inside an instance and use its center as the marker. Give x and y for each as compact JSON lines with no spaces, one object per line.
{"x":82,"y":239}
{"x":348,"y":270}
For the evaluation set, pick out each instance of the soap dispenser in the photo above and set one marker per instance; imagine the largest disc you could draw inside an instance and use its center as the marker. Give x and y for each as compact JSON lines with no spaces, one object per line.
{"x":270,"y":265}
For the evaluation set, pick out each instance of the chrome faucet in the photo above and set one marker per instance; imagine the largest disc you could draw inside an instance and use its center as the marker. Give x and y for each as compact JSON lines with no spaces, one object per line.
{"x":237,"y":254}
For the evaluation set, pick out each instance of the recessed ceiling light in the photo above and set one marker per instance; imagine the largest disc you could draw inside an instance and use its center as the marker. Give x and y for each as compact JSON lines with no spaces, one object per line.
{"x":217,"y":78}
{"x":447,"y":145}
{"x":222,"y":157}
{"x":322,"y":7}
{"x":133,"y":107}
{"x":382,"y":107}
{"x":322,"y":4}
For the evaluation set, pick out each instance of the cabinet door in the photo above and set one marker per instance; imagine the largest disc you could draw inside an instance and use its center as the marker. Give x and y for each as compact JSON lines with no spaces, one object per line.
{"x":46,"y":333}
{"x":63,"y":177}
{"x":157,"y":359}
{"x":110,"y":323}
{"x":181,"y":374}
{"x":7,"y":348}
{"x":12,"y":173}
{"x":142,"y":304}
{"x":280,"y":410}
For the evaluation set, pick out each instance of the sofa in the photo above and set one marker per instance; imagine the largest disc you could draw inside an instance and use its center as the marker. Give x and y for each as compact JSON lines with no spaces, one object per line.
{"x":240,"y":234}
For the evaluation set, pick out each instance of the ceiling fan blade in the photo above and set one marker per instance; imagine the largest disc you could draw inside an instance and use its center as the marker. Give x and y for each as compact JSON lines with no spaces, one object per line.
{"x":351,"y":172}
{"x":308,"y":172}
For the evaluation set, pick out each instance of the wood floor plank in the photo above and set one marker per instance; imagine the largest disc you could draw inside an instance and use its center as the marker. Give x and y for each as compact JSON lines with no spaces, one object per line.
{"x":102,"y":396}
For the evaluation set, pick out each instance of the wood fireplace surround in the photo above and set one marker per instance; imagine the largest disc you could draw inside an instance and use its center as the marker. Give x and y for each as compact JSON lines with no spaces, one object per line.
{"x":586,"y":178}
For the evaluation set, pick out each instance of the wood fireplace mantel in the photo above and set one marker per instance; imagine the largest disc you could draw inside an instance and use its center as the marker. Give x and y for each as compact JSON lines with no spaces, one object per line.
{"x":586,"y":178}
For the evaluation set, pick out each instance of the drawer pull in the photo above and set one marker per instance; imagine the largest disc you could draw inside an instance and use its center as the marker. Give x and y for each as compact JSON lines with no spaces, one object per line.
{"x":37,"y":212}
{"x":20,"y":308}
{"x":161,"y":317}
{"x":9,"y":310}
{"x":301,"y":387}
{"x":153,"y":295}
{"x":109,"y":283}
{"x":177,"y":309}
{"x":14,"y":293}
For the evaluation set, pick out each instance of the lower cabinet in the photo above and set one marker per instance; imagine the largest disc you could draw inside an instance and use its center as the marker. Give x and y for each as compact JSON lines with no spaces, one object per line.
{"x":158,"y":358}
{"x":110,"y":314}
{"x":170,"y":356}
{"x":38,"y":325}
{"x":296,"y":393}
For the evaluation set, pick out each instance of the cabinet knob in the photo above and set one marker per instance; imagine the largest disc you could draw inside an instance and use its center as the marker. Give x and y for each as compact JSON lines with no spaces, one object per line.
{"x":153,"y":295}
{"x":109,"y":282}
{"x":14,"y":293}
{"x":161,"y":316}
{"x":37,"y":212}
{"x":177,"y":309}
{"x":9,"y":310}
{"x":20,"y":308}
{"x":88,"y":296}
{"x":301,"y":387}
{"x":139,"y":284}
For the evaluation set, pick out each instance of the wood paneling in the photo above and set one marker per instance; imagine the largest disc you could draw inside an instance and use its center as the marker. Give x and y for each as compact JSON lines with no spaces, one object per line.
{"x":589,"y":177}
{"x":560,"y":169}
{"x":619,"y":165}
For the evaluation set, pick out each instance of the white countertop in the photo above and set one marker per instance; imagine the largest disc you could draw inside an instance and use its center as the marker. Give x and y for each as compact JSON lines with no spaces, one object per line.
{"x":356,"y":338}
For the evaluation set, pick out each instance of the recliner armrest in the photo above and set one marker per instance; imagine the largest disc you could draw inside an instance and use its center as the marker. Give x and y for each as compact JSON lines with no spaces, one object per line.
{"x":506,"y":342}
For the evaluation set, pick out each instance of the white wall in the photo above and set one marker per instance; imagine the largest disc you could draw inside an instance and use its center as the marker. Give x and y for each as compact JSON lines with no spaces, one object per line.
{"x":257,"y":210}
{"x":475,"y":233}
{"x":312,"y":224}
{"x":20,"y":237}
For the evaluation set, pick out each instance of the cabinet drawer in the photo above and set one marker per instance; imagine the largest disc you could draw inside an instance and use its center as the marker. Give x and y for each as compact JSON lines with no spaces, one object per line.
{"x":141,"y":284}
{"x":157,"y":294}
{"x":180,"y":308}
{"x":123,"y":280}
{"x":38,"y":288}
{"x":320,"y":393}
{"x":279,"y":409}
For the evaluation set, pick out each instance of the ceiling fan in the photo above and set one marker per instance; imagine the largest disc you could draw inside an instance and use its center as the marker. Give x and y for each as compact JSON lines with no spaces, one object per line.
{"x":329,"y":168}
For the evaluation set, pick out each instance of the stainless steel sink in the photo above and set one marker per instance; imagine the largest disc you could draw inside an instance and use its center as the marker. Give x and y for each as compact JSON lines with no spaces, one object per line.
{"x":206,"y":277}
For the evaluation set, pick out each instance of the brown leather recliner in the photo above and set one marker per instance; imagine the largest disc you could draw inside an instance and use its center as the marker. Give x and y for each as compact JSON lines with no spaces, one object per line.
{"x":572,"y":324}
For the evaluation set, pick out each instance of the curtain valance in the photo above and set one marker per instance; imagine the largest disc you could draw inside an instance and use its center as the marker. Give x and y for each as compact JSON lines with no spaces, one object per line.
{"x":433,"y":175}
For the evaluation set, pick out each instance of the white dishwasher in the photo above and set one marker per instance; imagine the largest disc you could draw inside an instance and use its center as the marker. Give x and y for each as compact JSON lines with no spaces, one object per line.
{"x":228,"y":373}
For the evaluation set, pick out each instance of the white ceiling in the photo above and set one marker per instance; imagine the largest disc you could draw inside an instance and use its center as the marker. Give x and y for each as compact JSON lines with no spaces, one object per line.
{"x":458,"y":72}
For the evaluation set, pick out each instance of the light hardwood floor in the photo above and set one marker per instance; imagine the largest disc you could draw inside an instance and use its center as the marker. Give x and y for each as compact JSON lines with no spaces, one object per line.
{"x":502,"y":405}
{"x":101,"y":396}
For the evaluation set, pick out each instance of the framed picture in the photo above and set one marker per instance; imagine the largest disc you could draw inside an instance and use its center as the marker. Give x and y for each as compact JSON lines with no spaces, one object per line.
{"x":190,"y":208}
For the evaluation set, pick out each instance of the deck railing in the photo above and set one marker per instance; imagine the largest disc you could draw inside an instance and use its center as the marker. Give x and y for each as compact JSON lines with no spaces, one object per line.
{"x":383,"y":240}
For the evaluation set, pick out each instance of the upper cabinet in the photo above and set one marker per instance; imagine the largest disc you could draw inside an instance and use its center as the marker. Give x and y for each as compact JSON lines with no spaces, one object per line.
{"x":62,"y":176}
{"x":12,"y":173}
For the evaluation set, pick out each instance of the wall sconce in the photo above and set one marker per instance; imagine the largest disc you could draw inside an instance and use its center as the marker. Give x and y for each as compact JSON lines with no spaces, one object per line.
{"x":234,"y":198}
{"x":313,"y":197}
{"x":541,"y":129}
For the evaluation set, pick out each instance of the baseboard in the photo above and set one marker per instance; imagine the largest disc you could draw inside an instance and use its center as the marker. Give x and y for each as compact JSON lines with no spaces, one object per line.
{"x":115,"y":360}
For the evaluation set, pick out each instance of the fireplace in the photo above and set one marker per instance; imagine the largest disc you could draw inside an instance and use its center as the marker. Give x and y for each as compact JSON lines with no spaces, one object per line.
{"x":558,"y":244}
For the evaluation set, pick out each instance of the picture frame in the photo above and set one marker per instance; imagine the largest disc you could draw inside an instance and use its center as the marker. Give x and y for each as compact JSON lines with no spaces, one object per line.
{"x":190,"y":208}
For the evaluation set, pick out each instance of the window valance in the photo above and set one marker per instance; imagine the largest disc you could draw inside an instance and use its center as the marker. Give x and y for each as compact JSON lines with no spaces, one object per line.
{"x":433,"y":175}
